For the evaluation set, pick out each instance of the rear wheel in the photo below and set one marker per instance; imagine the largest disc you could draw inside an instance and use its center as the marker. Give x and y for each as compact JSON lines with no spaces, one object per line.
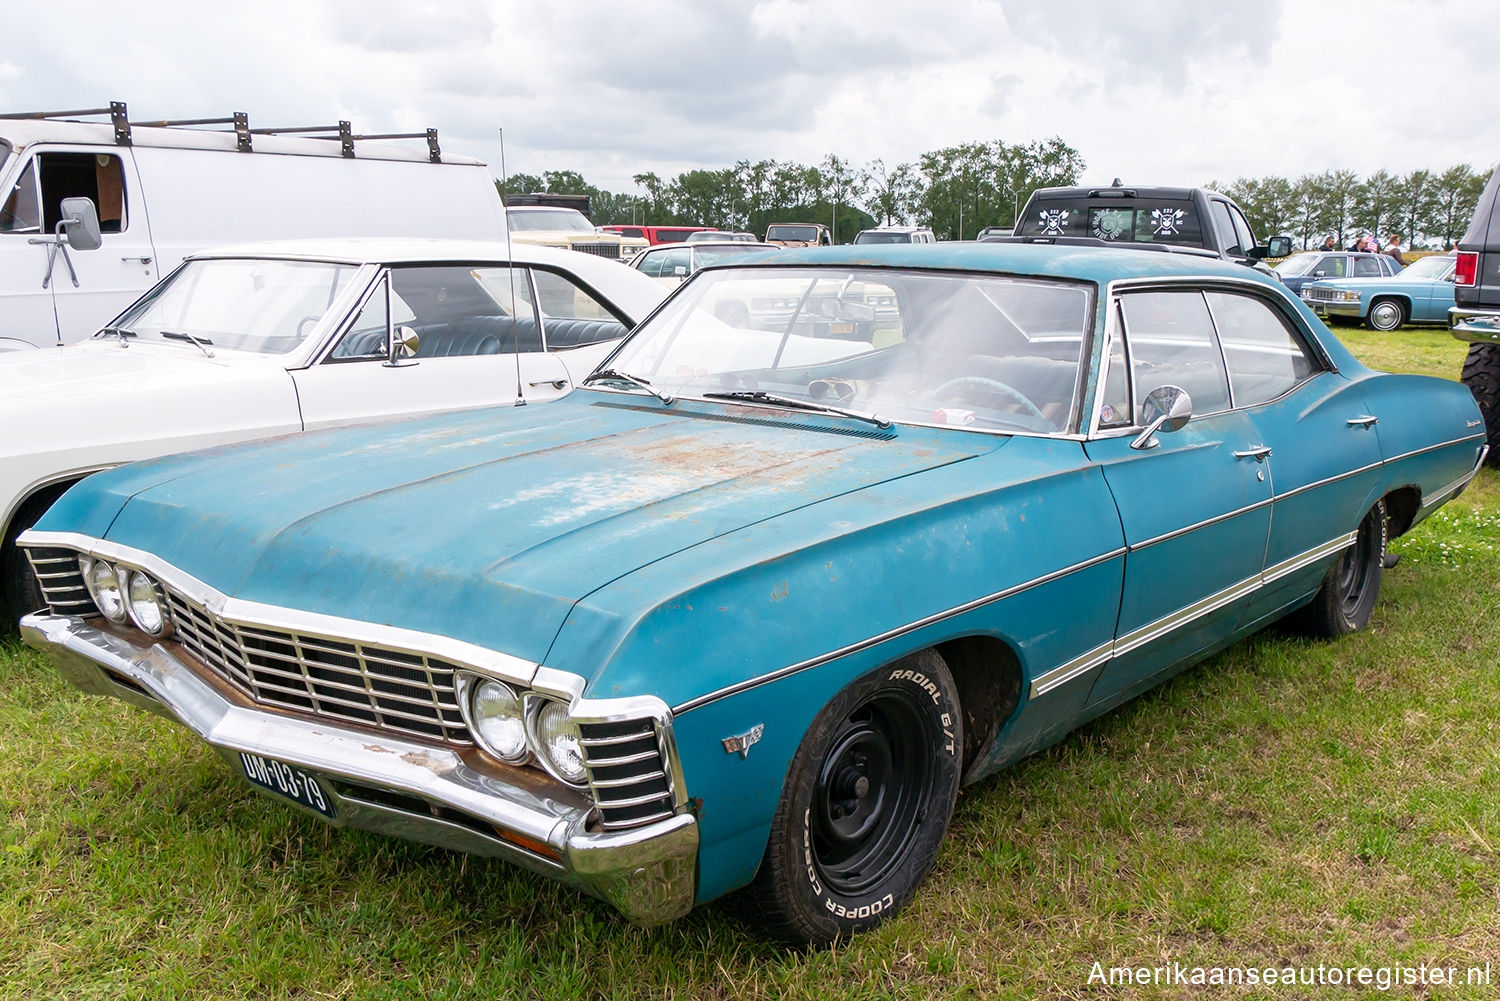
{"x":866,"y":802}
{"x":1386,"y":314}
{"x":1350,"y":588}
{"x":1482,"y":376}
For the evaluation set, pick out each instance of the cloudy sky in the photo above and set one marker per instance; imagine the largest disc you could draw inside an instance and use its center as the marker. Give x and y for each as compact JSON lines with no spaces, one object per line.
{"x":1154,"y":91}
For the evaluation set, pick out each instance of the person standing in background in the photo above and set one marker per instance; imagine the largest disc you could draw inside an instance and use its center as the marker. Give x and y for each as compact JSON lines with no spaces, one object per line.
{"x":1393,"y":249}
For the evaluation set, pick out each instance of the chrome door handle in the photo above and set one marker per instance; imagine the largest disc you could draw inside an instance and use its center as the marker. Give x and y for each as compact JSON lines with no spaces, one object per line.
{"x":554,"y":383}
{"x":143,"y":260}
{"x":1260,"y":453}
{"x":1366,"y":421}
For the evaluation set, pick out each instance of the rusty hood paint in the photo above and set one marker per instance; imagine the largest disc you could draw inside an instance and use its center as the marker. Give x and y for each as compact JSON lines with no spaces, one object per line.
{"x":487,"y":526}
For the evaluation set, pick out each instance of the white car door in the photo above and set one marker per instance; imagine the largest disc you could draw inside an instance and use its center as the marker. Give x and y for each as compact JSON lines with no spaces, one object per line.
{"x":473,"y":348}
{"x":107,"y":279}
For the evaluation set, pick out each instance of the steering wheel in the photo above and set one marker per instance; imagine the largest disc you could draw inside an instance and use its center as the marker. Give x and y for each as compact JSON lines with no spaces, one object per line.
{"x":994,"y":386}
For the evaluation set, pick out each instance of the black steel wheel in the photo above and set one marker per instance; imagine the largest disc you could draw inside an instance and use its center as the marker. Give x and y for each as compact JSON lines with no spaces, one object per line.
{"x":1350,"y":588}
{"x":865,"y":805}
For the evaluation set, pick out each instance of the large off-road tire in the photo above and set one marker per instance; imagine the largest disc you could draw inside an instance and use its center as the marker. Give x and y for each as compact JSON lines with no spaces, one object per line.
{"x":1386,"y":314}
{"x":1352,"y":585}
{"x":866,"y":802}
{"x":1482,"y":376}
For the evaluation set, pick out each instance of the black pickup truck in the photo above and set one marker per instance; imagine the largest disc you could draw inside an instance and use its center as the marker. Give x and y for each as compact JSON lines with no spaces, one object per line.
{"x":1475,"y":317}
{"x":1188,"y":220}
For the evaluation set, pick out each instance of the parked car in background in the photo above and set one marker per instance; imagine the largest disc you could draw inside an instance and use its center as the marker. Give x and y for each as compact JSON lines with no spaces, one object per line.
{"x":161,"y":192}
{"x":656,"y":234}
{"x":896,"y":234}
{"x":750,"y":606}
{"x":1311,"y":265}
{"x":247,"y":342}
{"x":1192,"y":220}
{"x":672,"y":265}
{"x":1475,"y":314}
{"x":799,"y":234}
{"x":1422,"y":292}
{"x":720,"y":236}
{"x":569,"y":229}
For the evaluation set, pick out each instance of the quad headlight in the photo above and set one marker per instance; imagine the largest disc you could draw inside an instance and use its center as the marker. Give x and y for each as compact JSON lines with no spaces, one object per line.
{"x":144,"y":603}
{"x":499,"y":720}
{"x":557,"y":743}
{"x":103,"y":583}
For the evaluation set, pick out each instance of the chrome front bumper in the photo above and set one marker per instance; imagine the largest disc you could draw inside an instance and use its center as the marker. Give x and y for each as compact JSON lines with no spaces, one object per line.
{"x":397,"y":787}
{"x":1332,"y":307}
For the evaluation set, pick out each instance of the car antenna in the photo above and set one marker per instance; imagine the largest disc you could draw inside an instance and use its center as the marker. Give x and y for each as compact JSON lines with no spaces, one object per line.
{"x":515,"y":322}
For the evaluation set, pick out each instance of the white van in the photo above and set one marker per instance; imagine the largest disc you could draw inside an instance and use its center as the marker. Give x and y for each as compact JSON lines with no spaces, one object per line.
{"x":162,"y":190}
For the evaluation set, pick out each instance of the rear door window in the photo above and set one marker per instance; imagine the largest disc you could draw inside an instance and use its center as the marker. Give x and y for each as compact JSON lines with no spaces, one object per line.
{"x":1368,"y":267}
{"x":1172,"y":343}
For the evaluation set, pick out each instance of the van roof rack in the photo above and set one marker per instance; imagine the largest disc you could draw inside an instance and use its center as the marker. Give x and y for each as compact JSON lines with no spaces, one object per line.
{"x":239,"y":123}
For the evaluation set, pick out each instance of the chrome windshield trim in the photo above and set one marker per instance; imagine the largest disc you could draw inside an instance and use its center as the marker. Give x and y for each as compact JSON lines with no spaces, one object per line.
{"x":256,"y":614}
{"x":890,"y":634}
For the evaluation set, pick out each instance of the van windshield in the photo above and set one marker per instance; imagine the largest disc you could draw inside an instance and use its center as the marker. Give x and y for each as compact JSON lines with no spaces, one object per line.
{"x":265,"y":306}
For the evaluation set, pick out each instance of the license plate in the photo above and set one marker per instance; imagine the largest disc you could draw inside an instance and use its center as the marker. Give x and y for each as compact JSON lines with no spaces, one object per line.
{"x":287,"y":781}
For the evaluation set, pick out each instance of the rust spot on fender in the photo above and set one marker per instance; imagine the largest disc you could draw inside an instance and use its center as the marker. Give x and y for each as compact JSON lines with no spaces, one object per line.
{"x":780,"y":592}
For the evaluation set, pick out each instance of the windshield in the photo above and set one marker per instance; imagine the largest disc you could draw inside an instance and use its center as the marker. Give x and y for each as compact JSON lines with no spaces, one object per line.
{"x":534,"y":220}
{"x":704,"y":256}
{"x":958,"y":350}
{"x":874,"y":236}
{"x":243,"y":305}
{"x":806,"y":234}
{"x":1434,"y":267}
{"x":1297,"y":264}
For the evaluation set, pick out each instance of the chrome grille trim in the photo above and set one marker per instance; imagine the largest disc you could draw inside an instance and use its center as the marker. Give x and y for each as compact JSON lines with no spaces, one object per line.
{"x":628,"y":771}
{"x":353,"y":682}
{"x":610,"y":250}
{"x":61,"y":581}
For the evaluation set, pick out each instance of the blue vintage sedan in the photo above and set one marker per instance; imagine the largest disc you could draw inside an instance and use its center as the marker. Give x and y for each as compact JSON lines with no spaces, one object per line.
{"x":746,"y":609}
{"x":1421,"y":293}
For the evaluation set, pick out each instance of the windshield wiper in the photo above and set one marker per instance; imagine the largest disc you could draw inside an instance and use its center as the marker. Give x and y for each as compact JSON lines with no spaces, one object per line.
{"x":760,"y":396}
{"x":201,"y":343}
{"x":616,"y":375}
{"x":119,"y":332}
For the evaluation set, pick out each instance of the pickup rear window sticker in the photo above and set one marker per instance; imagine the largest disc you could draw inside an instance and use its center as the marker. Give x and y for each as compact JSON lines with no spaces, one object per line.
{"x":1053,"y":221}
{"x":1111,"y":224}
{"x":1167,"y":222}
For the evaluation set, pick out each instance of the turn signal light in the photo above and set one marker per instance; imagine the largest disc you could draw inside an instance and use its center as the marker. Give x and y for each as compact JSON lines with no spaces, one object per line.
{"x":1466,"y":269}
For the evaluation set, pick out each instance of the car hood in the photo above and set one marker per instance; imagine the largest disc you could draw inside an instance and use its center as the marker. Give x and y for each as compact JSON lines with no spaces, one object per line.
{"x":44,"y":374}
{"x":487,"y":526}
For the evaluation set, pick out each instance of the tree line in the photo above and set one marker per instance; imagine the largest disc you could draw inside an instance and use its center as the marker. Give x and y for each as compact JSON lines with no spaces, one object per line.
{"x":960,"y":190}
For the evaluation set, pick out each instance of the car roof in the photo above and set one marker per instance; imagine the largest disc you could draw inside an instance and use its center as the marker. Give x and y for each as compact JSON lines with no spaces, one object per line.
{"x":619,"y":283}
{"x":1095,"y":264}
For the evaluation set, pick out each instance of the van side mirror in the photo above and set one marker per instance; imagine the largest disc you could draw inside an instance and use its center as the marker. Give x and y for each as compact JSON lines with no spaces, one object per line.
{"x":80,"y":224}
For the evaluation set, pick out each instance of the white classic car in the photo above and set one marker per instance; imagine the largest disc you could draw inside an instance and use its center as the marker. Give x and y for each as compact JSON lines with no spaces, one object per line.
{"x":266,"y":339}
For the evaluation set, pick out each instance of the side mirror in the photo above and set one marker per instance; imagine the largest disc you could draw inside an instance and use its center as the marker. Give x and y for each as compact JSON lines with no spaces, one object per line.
{"x":679,"y":272}
{"x":1319,"y":273}
{"x":1167,"y":409}
{"x":80,"y":224}
{"x":403,"y":344}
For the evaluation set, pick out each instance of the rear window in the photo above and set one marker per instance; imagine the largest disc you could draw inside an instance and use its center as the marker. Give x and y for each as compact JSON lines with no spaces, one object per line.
{"x":1163,"y":220}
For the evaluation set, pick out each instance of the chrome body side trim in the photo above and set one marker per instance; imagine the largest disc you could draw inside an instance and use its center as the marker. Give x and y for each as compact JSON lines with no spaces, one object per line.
{"x":890,"y":634}
{"x":1444,"y":494}
{"x":395,"y":786}
{"x":1152,"y":631}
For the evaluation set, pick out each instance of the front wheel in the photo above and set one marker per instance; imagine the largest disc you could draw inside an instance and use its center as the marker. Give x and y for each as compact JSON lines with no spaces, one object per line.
{"x":1344,"y":603}
{"x":866,"y":802}
{"x":1386,"y":314}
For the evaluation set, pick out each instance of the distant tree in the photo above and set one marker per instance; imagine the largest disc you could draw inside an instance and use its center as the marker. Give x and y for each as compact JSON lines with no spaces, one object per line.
{"x":1455,"y":193}
{"x":843,"y":185}
{"x":520,"y":184}
{"x":1309,"y":196}
{"x":658,"y":208}
{"x":1341,"y":190}
{"x":1377,"y":203}
{"x":1415,"y":198}
{"x":892,"y":195}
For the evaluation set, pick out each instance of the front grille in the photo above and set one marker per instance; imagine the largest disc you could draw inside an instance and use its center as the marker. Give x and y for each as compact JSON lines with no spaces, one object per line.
{"x":354,"y":682}
{"x":610,"y":250}
{"x":1318,"y":293}
{"x":61,"y":581}
{"x":626,"y":772}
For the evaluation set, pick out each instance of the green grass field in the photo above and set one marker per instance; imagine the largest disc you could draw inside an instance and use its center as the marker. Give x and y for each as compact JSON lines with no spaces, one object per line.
{"x":1288,"y":803}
